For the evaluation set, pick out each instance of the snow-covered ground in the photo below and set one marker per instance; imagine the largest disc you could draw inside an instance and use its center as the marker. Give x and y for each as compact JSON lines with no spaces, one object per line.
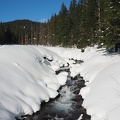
{"x":27,"y":79}
{"x":102,"y":74}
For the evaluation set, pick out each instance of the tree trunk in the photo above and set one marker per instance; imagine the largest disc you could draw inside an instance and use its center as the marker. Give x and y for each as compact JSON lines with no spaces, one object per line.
{"x":99,"y":16}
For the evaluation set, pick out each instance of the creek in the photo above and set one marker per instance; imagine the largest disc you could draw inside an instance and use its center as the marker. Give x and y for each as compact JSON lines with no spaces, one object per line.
{"x":67,"y":105}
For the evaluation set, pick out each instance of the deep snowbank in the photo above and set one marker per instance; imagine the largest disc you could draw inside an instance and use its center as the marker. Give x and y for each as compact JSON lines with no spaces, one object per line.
{"x":27,"y":79}
{"x":102,"y":74}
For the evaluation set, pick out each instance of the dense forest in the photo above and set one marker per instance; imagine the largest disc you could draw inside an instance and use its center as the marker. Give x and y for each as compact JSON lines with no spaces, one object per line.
{"x":84,"y":23}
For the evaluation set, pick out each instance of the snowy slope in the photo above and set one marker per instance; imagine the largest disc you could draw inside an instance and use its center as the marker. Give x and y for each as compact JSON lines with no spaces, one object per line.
{"x":27,"y":79}
{"x":102,"y":74}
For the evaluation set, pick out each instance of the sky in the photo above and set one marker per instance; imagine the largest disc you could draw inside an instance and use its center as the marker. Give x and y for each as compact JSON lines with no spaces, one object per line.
{"x":35,"y":10}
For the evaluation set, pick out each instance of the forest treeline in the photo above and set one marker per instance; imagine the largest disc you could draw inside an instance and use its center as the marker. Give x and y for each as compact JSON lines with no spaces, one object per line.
{"x":83,"y":23}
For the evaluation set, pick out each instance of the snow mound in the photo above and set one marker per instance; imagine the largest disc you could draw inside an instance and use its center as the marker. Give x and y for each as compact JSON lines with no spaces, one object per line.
{"x":101,"y":71}
{"x":26,"y":79}
{"x":101,"y":95}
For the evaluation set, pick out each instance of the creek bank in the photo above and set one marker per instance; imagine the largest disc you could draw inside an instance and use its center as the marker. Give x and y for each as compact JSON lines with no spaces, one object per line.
{"x":67,"y":105}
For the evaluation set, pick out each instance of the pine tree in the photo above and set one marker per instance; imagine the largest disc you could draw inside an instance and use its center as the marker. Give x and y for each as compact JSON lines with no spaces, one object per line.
{"x":111,"y":25}
{"x":63,"y":25}
{"x":114,"y":20}
{"x":73,"y":21}
{"x":1,"y":33}
{"x":52,"y":30}
{"x":88,"y":23}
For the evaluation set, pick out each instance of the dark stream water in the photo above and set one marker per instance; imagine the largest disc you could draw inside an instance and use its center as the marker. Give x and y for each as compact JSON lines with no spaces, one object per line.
{"x":67,"y":105}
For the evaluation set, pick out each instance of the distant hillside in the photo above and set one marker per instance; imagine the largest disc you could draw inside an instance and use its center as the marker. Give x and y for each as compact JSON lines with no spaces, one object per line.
{"x":21,"y":32}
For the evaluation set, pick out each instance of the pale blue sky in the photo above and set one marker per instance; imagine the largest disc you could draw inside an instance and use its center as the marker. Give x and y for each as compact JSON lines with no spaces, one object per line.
{"x":36,"y":10}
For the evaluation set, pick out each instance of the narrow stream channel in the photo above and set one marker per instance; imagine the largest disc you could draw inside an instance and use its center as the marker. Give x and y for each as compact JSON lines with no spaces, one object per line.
{"x":67,"y":105}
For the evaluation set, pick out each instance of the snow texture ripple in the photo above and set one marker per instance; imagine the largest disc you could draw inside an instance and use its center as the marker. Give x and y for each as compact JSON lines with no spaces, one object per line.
{"x":26,"y":79}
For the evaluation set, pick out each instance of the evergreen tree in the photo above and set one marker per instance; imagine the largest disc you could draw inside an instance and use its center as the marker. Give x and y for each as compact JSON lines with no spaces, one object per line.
{"x":111,"y":25}
{"x":88,"y":22}
{"x":73,"y":21}
{"x":53,"y":36}
{"x":63,"y":26}
{"x":1,"y":33}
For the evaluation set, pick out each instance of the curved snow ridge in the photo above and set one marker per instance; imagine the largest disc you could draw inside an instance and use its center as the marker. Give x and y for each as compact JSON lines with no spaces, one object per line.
{"x":103,"y":99}
{"x":51,"y":55}
{"x":101,"y":95}
{"x":27,"y":79}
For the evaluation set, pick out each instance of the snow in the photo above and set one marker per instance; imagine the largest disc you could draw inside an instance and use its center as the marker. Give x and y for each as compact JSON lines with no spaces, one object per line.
{"x":80,"y":118}
{"x":27,"y":77}
{"x":101,"y":71}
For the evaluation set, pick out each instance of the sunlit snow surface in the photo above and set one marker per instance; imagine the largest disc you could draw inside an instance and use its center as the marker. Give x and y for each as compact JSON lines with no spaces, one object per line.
{"x":27,"y":79}
{"x":102,"y":74}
